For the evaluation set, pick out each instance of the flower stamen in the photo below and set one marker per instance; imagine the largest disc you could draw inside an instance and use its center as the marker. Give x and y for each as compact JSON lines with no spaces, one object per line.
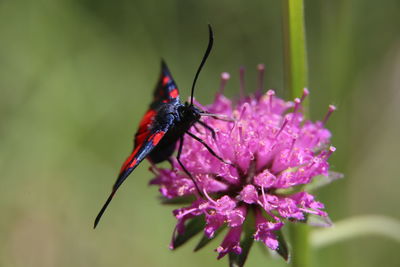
{"x":242,"y":84}
{"x":297,"y":103}
{"x":282,"y":127}
{"x":208,"y":197}
{"x":331,"y":150}
{"x":270,"y":95}
{"x":331,"y":109}
{"x":261,"y":71}
{"x":305,"y":94}
{"x":225,"y":76}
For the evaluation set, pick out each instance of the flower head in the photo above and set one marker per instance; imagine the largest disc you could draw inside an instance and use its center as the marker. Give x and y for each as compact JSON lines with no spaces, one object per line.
{"x":271,"y":148}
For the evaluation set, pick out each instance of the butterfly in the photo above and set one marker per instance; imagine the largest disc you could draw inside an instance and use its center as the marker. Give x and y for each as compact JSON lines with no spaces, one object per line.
{"x":163,"y":125}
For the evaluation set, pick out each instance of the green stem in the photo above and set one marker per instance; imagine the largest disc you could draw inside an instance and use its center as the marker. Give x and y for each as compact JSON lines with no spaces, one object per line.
{"x":296,"y":79}
{"x":300,"y":243}
{"x":295,"y":53}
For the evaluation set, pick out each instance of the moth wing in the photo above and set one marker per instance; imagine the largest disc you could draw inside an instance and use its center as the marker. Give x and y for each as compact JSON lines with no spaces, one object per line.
{"x":139,"y":153}
{"x":166,"y":90}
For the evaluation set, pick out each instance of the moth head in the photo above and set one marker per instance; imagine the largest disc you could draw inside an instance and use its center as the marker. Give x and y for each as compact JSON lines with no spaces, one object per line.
{"x":190,"y":112}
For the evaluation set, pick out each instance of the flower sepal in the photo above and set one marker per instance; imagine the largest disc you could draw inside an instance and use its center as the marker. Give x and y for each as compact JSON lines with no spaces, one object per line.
{"x":205,"y":239}
{"x":184,"y":200}
{"x":316,"y":183}
{"x":318,"y":221}
{"x":283,"y":249}
{"x":322,"y":180}
{"x":192,"y":227}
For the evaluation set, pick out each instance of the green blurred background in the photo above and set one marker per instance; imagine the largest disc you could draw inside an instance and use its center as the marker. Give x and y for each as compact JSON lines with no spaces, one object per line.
{"x":76,"y":76}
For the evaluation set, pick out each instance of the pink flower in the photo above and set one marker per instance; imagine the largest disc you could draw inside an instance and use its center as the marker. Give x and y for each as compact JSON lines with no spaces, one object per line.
{"x":272,"y":148}
{"x":265,"y":231}
{"x":231,"y":242}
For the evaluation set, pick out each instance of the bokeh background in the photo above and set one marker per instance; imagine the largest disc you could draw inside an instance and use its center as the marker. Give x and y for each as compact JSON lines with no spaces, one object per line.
{"x":76,"y":76}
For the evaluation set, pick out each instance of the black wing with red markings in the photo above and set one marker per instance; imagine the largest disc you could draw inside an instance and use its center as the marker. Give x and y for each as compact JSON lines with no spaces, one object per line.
{"x":166,"y":90}
{"x":150,"y":130}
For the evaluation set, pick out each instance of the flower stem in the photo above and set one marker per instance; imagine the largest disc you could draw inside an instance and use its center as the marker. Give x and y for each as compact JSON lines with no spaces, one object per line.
{"x":295,"y":53}
{"x":296,"y":79}
{"x":300,"y":243}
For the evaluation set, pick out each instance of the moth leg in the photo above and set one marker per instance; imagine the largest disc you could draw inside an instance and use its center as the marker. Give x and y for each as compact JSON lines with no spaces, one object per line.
{"x":208,"y":148}
{"x":197,"y":128}
{"x":152,"y":165}
{"x":172,"y":163}
{"x":208,"y":127}
{"x":178,"y":158}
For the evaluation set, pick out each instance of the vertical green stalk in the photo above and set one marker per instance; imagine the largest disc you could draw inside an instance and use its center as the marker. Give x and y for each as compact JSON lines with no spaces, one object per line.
{"x":296,"y":79}
{"x":300,"y":243}
{"x":295,"y":53}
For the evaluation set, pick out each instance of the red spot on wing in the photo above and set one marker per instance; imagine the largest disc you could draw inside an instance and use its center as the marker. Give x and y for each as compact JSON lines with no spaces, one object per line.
{"x":157,"y":137}
{"x":147,"y":118}
{"x":165,"y":80}
{"x":128,"y":161}
{"x":141,"y":137}
{"x":174,"y":93}
{"x":133,"y":163}
{"x":143,"y":131}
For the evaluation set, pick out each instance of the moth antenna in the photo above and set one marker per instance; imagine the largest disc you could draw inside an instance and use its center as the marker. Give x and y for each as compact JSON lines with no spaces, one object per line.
{"x":209,"y":47}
